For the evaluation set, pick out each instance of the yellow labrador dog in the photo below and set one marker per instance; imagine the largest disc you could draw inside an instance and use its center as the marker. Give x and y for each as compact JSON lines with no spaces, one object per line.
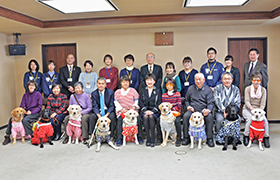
{"x":197,"y":130}
{"x":130,"y":129}
{"x":103,"y":133}
{"x":167,"y":120}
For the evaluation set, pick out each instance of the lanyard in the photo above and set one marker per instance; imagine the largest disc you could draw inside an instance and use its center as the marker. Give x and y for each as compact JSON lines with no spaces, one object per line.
{"x":33,"y":76}
{"x":70,"y":73}
{"x":108,"y":74}
{"x":51,"y":80}
{"x":210,"y":71}
{"x":89,"y":77}
{"x":129,"y":74}
{"x":187,"y":78}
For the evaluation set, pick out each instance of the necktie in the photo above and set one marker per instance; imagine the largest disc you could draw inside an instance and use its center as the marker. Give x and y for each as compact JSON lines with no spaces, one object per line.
{"x":151,"y":69}
{"x":251,"y":69}
{"x":102,"y":105}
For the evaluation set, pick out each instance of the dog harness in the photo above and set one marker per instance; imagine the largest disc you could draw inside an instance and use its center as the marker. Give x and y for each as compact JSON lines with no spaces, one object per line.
{"x":71,"y":121}
{"x":230,"y":128}
{"x":104,"y":137}
{"x":129,"y":132}
{"x":197,"y":132}
{"x":257,"y":130}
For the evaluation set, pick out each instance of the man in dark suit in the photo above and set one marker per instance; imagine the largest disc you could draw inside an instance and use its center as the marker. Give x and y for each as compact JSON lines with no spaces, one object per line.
{"x":106,"y":109}
{"x":254,"y":66}
{"x":69,"y":75}
{"x":151,"y":68}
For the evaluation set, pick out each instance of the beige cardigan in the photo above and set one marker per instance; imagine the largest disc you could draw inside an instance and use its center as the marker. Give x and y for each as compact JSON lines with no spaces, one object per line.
{"x":254,"y":103}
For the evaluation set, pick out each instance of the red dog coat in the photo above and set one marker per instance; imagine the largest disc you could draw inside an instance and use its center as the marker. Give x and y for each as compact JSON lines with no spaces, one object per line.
{"x":257,"y":130}
{"x":44,"y":131}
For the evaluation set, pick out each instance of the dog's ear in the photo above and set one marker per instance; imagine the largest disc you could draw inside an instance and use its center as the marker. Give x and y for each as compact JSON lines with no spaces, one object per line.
{"x":98,"y":122}
{"x":136,"y":113}
{"x":263,"y":112}
{"x":160,"y":106}
{"x":127,"y":114}
{"x":13,"y":113}
{"x":170,"y":105}
{"x":80,"y":109}
{"x":69,"y":108}
{"x":109,"y":121}
{"x":191,"y":118}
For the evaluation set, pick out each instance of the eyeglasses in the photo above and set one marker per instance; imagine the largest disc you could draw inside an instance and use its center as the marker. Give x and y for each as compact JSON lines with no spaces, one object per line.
{"x":256,"y":80}
{"x":150,"y":56}
{"x":211,"y":53}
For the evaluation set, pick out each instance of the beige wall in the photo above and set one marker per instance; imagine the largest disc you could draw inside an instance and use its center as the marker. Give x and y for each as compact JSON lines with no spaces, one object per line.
{"x":7,"y":76}
{"x":192,"y":41}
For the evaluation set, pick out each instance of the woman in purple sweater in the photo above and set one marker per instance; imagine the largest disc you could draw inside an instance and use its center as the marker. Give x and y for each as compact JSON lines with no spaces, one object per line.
{"x":32,"y":103}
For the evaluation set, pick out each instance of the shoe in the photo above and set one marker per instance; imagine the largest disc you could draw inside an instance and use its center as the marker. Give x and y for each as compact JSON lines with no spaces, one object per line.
{"x":85,"y":141}
{"x":7,"y":140}
{"x":266,"y":142}
{"x":65,"y":140}
{"x":158,"y":142}
{"x":219,"y":144}
{"x":178,"y":142}
{"x":210,"y":143}
{"x":246,"y":140}
{"x":152,"y":144}
{"x":186,"y":141}
{"x":57,"y":137}
{"x":140,"y":140}
{"x":148,"y":143}
{"x":119,"y":142}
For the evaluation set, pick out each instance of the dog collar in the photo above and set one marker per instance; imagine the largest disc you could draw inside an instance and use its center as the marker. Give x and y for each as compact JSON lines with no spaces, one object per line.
{"x":45,"y":119}
{"x":15,"y":124}
{"x":198,"y":129}
{"x":77,"y":125}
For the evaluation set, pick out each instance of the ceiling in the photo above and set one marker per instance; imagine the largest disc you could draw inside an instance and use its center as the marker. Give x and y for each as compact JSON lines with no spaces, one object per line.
{"x":29,"y":16}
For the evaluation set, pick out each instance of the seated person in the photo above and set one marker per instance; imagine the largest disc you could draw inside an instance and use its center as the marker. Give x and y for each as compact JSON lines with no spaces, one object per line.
{"x":57,"y":103}
{"x":49,"y":78}
{"x":88,"y":78}
{"x":109,"y":72}
{"x":187,"y":75}
{"x":102,"y":105}
{"x":255,"y":97}
{"x":33,"y":74}
{"x":199,"y":98}
{"x":224,"y":95}
{"x":130,"y":71}
{"x":171,"y":74}
{"x":32,"y":103}
{"x":174,"y":97}
{"x":126,"y":98}
{"x":83,"y":100}
{"x":149,"y":100}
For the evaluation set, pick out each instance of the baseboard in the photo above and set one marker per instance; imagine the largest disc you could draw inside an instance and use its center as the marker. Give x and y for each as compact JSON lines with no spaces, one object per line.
{"x":3,"y":127}
{"x":274,"y":121}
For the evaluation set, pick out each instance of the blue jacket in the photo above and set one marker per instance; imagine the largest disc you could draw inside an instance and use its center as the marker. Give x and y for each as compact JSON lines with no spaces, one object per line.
{"x":216,"y":73}
{"x":135,"y":77}
{"x":28,"y":77}
{"x":108,"y":100}
{"x":46,"y":83}
{"x":182,"y":76}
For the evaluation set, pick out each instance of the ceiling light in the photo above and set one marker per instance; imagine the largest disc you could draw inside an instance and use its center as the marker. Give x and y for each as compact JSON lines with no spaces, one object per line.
{"x":203,"y":3}
{"x":80,"y":6}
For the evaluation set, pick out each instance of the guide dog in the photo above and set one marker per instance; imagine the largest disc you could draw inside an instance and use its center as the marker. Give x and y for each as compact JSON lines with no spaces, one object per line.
{"x":130,"y":128}
{"x":73,"y":128}
{"x":197,"y":130}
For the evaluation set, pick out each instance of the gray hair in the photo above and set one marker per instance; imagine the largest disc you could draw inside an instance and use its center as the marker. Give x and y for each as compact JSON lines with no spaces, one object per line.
{"x":151,"y":53}
{"x":79,"y":84}
{"x":199,"y":75}
{"x":102,"y":79}
{"x":227,"y":73}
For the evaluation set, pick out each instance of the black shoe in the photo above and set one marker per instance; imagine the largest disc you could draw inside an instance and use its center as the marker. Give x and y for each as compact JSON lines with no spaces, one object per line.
{"x":152,"y":144}
{"x":140,"y":140}
{"x":178,"y":142}
{"x":7,"y":140}
{"x":65,"y":140}
{"x":219,"y":144}
{"x":210,"y":143}
{"x":246,"y":140}
{"x":266,"y":142}
{"x":158,"y":142}
{"x":186,"y":141}
{"x":148,"y":143}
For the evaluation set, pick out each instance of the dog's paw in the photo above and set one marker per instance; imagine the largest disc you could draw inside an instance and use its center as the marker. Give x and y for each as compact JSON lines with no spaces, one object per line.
{"x":191,"y":147}
{"x":117,"y":148}
{"x":14,"y":143}
{"x":248,"y":147}
{"x":262,"y":149}
{"x":224,"y":148}
{"x":41,"y":146}
{"x":234,"y":148}
{"x":163,"y":145}
{"x":199,"y":148}
{"x":51,"y":143}
{"x":136,"y":142}
{"x":97,"y":150}
{"x":23,"y":141}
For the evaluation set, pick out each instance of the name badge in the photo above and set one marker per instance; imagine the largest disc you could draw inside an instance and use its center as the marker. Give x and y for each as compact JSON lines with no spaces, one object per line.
{"x":210,"y":77}
{"x":47,"y":79}
{"x":187,"y":83}
{"x":87,"y":85}
{"x":69,"y":80}
{"x":30,"y":78}
{"x":207,"y":71}
{"x":108,"y":80}
{"x":130,"y":81}
{"x":50,"y":86}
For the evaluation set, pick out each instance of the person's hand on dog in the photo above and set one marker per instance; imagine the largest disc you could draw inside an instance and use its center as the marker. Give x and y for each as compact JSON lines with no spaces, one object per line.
{"x":28,"y":112}
{"x":205,"y":112}
{"x":53,"y":115}
{"x":225,"y":114}
{"x":134,"y":108}
{"x":123,"y":111}
{"x":189,"y":108}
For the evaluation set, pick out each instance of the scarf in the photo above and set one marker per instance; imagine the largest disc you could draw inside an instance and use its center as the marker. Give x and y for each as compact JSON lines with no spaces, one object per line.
{"x":171,"y":76}
{"x":258,"y":93}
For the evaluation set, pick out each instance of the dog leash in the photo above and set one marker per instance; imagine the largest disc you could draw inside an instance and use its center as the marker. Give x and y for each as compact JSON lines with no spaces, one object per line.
{"x":55,"y":121}
{"x":225,"y":125}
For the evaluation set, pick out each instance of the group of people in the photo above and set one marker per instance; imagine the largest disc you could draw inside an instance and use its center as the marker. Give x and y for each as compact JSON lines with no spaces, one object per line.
{"x":112,"y":94}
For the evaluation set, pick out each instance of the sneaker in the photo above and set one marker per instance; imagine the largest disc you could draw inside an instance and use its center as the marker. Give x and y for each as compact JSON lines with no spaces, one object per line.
{"x":119,"y":142}
{"x":140,"y":140}
{"x":7,"y":140}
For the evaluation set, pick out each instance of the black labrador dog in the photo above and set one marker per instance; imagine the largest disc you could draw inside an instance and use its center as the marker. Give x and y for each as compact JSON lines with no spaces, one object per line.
{"x":232,"y":115}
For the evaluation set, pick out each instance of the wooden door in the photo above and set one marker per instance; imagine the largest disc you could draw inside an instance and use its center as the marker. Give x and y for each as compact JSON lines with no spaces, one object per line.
{"x":57,"y":53}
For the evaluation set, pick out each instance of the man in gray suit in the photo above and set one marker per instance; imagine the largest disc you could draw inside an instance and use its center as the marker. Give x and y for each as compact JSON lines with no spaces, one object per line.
{"x":254,"y":66}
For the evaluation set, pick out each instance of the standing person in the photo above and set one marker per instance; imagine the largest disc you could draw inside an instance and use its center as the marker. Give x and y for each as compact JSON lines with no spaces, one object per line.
{"x":212,"y":70}
{"x":102,"y":105}
{"x":88,"y":78}
{"x":254,"y":66}
{"x":171,"y":74}
{"x":130,"y":71}
{"x":149,"y":100}
{"x":32,"y":103}
{"x":126,"y":98}
{"x":83,"y":100}
{"x":49,"y":78}
{"x":33,"y":74}
{"x":233,"y":70}
{"x":255,"y":97}
{"x":187,"y":75}
{"x":174,"y":97}
{"x":109,"y":72}
{"x":151,"y":68}
{"x":69,"y":75}
{"x":57,"y":103}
